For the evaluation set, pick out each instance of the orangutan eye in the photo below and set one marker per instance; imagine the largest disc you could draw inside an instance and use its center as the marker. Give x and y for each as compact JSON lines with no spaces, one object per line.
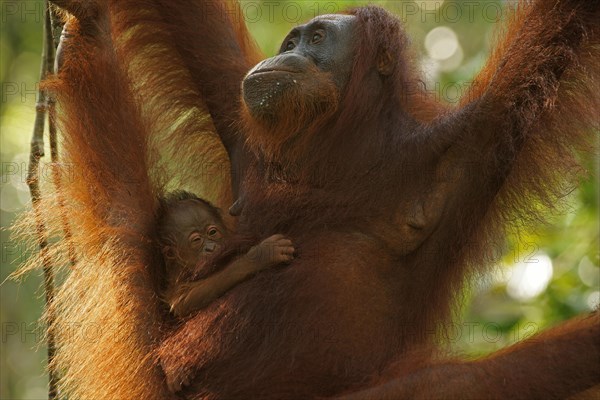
{"x":317,"y":37}
{"x":289,"y":46}
{"x":213,"y":232}
{"x":195,"y":237}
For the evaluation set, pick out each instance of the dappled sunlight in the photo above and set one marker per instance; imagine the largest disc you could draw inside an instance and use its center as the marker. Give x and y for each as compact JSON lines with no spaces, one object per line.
{"x":441,"y":43}
{"x":545,"y":274}
{"x":530,"y":278}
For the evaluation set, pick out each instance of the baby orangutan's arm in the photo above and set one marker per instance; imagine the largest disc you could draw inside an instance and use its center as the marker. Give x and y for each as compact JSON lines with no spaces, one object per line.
{"x":193,"y":296}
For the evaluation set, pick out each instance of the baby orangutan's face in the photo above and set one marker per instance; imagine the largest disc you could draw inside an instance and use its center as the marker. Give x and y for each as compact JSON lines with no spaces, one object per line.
{"x":192,"y":233}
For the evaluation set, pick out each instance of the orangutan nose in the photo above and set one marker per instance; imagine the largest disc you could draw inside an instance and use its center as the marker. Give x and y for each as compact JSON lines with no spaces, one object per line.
{"x":287,"y":62}
{"x":209,"y":247}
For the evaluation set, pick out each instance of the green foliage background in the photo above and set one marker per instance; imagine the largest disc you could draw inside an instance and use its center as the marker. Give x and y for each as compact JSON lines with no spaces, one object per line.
{"x":490,"y":318}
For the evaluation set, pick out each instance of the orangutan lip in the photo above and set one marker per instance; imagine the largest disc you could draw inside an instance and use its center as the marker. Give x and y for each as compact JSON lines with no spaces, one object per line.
{"x":269,"y":70}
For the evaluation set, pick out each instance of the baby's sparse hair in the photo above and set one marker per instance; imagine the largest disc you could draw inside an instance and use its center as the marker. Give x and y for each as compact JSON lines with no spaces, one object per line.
{"x":171,"y":199}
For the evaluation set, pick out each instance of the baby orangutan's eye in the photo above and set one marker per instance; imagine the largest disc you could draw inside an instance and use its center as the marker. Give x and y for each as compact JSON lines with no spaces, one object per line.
{"x":213,"y":232}
{"x":195,"y":238}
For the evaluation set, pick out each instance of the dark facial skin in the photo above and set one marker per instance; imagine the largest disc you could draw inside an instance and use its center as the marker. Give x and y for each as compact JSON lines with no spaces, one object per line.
{"x":192,"y":231}
{"x":325,"y":44}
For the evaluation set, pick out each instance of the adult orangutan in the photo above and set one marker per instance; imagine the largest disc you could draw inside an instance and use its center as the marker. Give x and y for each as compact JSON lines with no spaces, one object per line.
{"x":391,"y":200}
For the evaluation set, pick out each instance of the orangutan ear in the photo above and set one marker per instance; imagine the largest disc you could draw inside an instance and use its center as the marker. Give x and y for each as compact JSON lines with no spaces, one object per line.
{"x":385,"y":63}
{"x":168,"y":252}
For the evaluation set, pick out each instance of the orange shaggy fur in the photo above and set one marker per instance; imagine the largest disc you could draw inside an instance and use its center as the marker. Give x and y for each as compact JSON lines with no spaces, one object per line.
{"x":148,"y":100}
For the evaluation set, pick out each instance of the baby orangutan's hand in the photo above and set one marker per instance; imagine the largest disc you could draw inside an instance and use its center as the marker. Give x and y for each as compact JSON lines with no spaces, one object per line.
{"x":273,"y":250}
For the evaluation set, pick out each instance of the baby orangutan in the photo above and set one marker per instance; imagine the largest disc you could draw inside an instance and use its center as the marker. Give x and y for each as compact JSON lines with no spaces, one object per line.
{"x":190,"y":231}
